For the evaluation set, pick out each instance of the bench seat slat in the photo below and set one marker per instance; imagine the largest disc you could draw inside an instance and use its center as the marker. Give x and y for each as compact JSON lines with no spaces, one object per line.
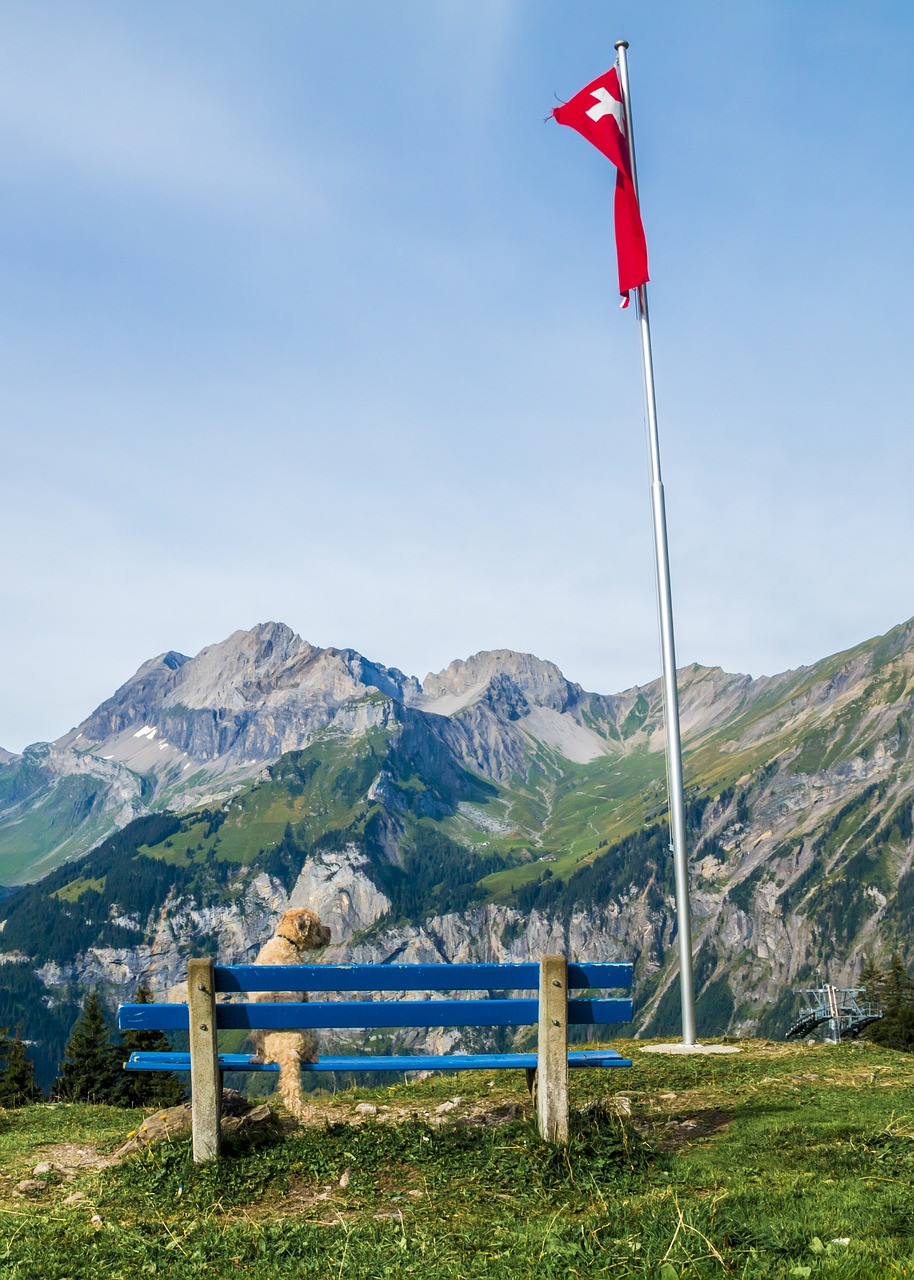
{"x":293,"y":1015}
{"x":418,"y":1062}
{"x":410,"y":977}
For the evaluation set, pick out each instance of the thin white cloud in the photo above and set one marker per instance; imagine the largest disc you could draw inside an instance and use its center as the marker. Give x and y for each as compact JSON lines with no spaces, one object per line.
{"x":81,"y":102}
{"x":481,"y":37}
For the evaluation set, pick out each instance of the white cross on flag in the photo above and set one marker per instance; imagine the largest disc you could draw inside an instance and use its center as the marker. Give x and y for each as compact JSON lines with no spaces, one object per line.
{"x":598,"y":114}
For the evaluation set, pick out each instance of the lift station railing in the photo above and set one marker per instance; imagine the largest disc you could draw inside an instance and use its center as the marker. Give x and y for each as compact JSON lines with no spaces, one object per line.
{"x":839,"y":1007}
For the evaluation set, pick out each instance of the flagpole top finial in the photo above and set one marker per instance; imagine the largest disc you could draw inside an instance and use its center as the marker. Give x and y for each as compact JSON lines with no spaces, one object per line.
{"x":621,"y":44}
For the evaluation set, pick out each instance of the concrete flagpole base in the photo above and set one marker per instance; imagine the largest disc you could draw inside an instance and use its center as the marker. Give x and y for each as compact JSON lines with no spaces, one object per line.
{"x":689,"y":1048}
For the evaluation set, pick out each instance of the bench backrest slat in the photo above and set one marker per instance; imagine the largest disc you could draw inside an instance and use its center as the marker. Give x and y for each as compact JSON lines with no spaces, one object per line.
{"x":371,"y":1013}
{"x":410,"y":977}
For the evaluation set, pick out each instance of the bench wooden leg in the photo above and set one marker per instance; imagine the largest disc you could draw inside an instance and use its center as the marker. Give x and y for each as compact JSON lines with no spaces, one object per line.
{"x":552,"y":1050}
{"x":205,"y":1076}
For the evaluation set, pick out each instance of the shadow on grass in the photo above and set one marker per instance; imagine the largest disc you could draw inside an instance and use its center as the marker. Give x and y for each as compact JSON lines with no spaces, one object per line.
{"x":510,"y":1159}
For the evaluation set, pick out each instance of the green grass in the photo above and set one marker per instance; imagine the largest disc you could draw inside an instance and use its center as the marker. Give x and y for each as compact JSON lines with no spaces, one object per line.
{"x":606,"y":799}
{"x":327,"y":796}
{"x":255,"y":823}
{"x":73,"y":891}
{"x":43,"y":832}
{"x":751,"y":1165}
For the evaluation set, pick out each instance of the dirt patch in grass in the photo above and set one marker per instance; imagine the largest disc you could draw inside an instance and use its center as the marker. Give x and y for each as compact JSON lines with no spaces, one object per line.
{"x":489,"y":1111}
{"x":680,"y":1131}
{"x":76,"y":1156}
{"x":333,"y":1203}
{"x":325,"y":1205}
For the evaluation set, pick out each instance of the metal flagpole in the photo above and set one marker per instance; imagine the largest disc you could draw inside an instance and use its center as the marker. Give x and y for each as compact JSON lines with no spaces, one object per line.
{"x":665,"y":602}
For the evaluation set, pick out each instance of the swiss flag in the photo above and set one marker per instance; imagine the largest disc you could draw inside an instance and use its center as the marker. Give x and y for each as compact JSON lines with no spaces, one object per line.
{"x":598,"y":114}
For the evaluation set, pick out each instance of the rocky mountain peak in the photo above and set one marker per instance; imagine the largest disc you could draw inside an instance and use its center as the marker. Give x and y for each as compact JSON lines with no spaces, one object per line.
{"x":238,"y":703}
{"x":500,"y":673}
{"x":387,"y":680}
{"x":245,"y":666}
{"x":146,"y":688}
{"x":172,"y":659}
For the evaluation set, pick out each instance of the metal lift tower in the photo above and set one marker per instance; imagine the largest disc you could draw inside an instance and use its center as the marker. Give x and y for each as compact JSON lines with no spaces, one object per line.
{"x":839,"y":1007}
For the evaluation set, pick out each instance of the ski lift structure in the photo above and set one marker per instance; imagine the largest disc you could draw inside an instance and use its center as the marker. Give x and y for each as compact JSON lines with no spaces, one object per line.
{"x":840,"y":1008}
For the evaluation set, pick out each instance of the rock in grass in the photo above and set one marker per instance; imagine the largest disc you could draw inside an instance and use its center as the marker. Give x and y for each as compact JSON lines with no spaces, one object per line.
{"x":176,"y":1122}
{"x":256,"y":1117}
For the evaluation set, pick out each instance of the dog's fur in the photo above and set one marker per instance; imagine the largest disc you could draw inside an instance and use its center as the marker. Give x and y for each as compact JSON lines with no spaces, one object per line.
{"x":298,"y":931}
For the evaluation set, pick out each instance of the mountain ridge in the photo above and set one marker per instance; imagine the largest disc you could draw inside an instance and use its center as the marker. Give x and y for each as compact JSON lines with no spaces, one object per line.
{"x":185,"y":730}
{"x":193,"y":730}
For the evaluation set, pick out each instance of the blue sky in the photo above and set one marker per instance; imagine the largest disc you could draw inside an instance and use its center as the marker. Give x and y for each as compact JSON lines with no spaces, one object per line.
{"x":307,"y":315}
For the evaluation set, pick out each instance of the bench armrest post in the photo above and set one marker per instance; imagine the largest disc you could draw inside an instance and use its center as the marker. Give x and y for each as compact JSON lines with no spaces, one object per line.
{"x":552,"y":1051}
{"x":205,"y":1077}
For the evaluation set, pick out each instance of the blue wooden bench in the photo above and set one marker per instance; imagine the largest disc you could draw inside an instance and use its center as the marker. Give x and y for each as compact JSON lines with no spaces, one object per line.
{"x":551,"y":1010}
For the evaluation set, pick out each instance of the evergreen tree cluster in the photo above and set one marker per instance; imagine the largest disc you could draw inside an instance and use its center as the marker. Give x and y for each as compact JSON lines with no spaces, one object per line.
{"x":92,"y":1069}
{"x":45,"y":1024}
{"x":892,"y":989}
{"x":93,"y":1066}
{"x":17,"y":1076}
{"x":437,"y":874}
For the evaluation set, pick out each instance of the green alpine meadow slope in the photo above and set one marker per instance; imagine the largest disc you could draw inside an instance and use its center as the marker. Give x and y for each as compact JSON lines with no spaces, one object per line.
{"x":474,"y":834}
{"x":47,"y":817}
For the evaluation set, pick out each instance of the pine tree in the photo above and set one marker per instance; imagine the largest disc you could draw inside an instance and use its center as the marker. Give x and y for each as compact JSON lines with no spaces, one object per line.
{"x":92,"y":1069}
{"x":897,"y":988}
{"x":150,"y":1088}
{"x":871,"y":979}
{"x":17,"y":1081}
{"x":893,"y":989}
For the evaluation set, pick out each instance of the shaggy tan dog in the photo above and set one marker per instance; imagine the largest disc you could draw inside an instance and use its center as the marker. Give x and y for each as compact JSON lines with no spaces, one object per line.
{"x":298,"y":931}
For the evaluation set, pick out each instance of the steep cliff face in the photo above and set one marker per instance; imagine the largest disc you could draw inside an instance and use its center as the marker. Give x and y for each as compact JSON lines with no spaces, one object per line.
{"x":339,"y":886}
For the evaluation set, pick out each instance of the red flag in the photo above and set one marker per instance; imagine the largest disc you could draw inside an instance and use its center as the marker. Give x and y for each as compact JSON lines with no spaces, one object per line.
{"x":598,"y":115}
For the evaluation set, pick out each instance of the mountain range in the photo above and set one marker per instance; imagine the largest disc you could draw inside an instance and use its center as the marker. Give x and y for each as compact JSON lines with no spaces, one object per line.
{"x":494,"y":810}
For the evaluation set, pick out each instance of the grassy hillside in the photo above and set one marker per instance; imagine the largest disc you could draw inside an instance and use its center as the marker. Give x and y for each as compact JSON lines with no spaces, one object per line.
{"x":50,"y":825}
{"x":779,"y":1161}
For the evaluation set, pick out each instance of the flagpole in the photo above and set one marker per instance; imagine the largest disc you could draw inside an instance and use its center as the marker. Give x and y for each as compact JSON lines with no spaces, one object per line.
{"x":665,"y":603}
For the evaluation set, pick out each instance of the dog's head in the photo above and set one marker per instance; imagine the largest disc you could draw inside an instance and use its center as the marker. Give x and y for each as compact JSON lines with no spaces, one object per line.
{"x":302,"y":927}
